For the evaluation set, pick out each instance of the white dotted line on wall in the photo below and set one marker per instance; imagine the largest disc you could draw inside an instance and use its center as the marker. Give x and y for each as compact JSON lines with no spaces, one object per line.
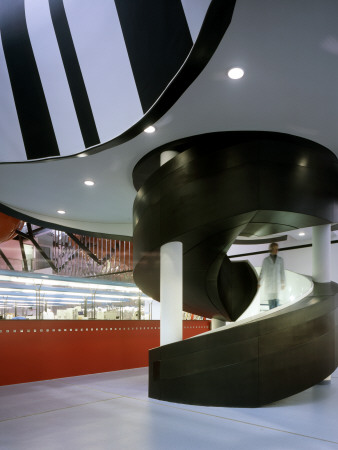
{"x":47,"y":330}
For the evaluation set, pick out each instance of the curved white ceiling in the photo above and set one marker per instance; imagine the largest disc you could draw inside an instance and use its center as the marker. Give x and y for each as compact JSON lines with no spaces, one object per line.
{"x":289,"y":52}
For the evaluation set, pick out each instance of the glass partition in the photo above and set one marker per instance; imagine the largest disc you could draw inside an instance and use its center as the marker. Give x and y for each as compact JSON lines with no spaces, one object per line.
{"x":36,"y":296}
{"x":53,"y":274}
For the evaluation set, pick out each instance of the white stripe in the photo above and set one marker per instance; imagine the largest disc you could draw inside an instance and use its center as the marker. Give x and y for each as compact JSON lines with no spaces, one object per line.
{"x":53,"y":77}
{"x":11,"y":143}
{"x":105,"y":65}
{"x":195,"y":11}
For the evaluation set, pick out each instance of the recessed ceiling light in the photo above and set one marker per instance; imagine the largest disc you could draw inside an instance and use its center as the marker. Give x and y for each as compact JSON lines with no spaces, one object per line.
{"x":235,"y":73}
{"x":61,"y":211}
{"x":150,"y":129}
{"x":82,"y":155}
{"x":89,"y":183}
{"x":301,"y":233}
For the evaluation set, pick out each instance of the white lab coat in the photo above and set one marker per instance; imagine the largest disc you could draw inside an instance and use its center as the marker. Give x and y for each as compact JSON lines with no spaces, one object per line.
{"x":271,"y":278}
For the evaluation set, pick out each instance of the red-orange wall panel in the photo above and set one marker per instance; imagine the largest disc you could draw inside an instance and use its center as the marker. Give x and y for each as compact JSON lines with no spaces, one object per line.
{"x":41,"y":350}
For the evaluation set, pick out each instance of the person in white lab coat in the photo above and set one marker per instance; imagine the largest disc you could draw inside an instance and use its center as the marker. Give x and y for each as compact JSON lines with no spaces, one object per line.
{"x":272,"y":276}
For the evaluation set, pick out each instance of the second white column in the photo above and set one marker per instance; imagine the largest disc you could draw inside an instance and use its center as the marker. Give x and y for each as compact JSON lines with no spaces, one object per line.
{"x":171,"y":283}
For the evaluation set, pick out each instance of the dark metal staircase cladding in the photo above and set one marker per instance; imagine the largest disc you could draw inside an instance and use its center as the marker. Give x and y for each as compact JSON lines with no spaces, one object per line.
{"x":222,"y":185}
{"x":255,"y":363}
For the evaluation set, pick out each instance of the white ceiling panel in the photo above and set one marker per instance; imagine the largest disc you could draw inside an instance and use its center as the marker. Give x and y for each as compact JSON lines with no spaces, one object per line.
{"x":288,"y":50}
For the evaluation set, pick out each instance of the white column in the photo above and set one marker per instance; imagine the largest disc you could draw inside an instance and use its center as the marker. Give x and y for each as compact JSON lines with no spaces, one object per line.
{"x":321,"y":253}
{"x":321,"y":257}
{"x":216,"y":323}
{"x":171,"y":283}
{"x":171,"y":292}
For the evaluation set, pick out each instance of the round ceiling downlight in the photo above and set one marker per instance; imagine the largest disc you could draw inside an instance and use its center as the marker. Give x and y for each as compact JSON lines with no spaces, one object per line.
{"x":61,"y":211}
{"x":235,"y":73}
{"x":150,"y":129}
{"x":89,"y":183}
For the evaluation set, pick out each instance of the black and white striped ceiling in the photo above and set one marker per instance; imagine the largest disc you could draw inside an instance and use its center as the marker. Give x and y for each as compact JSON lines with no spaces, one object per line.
{"x":74,"y":73}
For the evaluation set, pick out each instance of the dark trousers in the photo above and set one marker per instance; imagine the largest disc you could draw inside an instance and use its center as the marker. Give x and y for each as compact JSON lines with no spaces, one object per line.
{"x":273,"y":303}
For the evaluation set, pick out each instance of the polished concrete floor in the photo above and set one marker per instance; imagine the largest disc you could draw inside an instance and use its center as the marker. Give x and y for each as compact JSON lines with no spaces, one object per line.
{"x":112,"y":411}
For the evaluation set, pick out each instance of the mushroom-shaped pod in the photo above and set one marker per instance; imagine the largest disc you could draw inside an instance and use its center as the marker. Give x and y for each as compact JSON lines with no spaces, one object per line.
{"x":8,"y":227}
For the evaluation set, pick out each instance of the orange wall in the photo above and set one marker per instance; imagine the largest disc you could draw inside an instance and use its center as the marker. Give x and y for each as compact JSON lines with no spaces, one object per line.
{"x":33,"y":350}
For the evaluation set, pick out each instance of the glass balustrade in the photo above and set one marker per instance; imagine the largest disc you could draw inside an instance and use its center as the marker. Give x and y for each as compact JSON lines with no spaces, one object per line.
{"x":297,"y":286}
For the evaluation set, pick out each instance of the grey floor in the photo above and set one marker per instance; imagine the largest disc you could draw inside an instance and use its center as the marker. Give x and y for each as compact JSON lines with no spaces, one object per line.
{"x":112,"y":411}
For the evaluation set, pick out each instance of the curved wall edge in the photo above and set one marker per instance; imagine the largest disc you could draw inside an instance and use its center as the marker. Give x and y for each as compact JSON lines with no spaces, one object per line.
{"x":78,"y":227}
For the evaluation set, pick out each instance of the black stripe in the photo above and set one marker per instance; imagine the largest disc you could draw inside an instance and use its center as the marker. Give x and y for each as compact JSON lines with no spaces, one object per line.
{"x":73,"y":72}
{"x":31,"y":106}
{"x":260,"y":241}
{"x":215,"y":25}
{"x":281,"y":249}
{"x":158,"y":41}
{"x":4,"y":257}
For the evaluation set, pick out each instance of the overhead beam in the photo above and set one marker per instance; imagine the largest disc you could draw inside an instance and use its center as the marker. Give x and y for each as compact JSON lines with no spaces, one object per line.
{"x":4,"y":257}
{"x":30,"y":237}
{"x":108,"y":273}
{"x":37,"y":231}
{"x":30,"y":231}
{"x":84,"y":248}
{"x":23,"y":253}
